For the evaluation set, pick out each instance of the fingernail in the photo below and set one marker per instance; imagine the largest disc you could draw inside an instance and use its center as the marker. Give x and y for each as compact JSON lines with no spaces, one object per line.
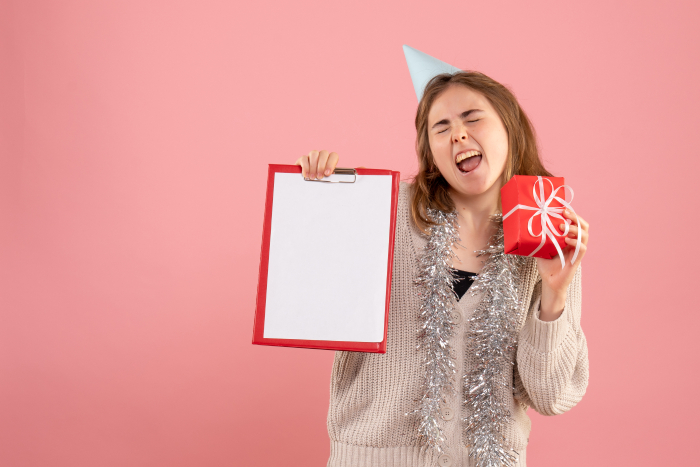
{"x":328,"y":172}
{"x":312,"y":176}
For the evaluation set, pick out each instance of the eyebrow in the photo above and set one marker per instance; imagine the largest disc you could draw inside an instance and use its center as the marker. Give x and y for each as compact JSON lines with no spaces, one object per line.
{"x":444,"y":121}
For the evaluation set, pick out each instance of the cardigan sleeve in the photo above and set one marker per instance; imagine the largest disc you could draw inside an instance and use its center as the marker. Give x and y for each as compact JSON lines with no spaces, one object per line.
{"x":551,"y":371}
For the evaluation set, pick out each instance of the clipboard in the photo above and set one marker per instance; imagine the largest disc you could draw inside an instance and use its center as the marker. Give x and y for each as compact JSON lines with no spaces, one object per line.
{"x":326,"y":259}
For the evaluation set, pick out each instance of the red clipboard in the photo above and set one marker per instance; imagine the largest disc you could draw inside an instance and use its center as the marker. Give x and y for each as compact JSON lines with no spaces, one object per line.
{"x":274,"y":293}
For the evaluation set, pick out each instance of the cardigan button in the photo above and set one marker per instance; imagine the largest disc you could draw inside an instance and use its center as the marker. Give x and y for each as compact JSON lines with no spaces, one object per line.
{"x":445,"y":461}
{"x":447,"y":413}
{"x":456,"y":317}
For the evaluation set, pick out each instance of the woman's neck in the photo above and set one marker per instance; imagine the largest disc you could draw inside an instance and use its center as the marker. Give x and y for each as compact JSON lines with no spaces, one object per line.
{"x":475,"y":211}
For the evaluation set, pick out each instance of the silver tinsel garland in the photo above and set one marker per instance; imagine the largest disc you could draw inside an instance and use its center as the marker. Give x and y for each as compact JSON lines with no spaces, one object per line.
{"x":491,"y":337}
{"x":435,"y":287}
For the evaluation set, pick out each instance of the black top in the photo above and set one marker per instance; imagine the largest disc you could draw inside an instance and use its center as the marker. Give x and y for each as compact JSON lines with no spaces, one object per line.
{"x":463,"y":280}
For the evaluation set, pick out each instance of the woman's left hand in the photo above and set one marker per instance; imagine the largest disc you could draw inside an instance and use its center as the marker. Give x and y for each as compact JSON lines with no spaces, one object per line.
{"x":555,"y":280}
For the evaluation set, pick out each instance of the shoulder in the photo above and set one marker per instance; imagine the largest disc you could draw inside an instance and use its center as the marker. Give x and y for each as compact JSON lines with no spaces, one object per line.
{"x":403,"y":213}
{"x":404,"y":202}
{"x":407,"y":233}
{"x":405,"y":189}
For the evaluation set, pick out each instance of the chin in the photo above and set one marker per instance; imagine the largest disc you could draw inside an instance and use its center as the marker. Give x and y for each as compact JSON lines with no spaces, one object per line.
{"x":471,"y":188}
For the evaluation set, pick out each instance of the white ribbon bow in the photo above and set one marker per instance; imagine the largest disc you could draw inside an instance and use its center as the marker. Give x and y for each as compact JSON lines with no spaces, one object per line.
{"x":545,"y":211}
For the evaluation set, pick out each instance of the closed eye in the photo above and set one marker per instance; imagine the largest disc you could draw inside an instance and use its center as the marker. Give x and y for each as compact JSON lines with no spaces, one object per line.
{"x":468,"y":121}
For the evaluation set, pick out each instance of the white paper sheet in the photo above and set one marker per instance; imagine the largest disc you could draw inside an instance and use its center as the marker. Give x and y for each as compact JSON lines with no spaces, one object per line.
{"x":329,"y":250}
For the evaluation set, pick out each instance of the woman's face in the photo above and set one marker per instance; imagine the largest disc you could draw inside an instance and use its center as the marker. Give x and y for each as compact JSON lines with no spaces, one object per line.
{"x":462,"y":122}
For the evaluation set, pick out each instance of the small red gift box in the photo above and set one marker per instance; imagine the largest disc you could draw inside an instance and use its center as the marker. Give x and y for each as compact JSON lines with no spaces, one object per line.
{"x":532,"y":212}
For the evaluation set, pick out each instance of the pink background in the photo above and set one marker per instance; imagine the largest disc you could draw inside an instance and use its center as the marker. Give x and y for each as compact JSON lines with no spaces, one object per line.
{"x":134,"y":143}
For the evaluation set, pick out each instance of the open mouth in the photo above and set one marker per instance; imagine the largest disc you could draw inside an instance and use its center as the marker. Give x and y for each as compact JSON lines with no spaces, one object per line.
{"x":468,"y":161}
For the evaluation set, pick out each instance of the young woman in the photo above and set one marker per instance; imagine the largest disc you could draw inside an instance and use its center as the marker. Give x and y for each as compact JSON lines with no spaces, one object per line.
{"x":460,"y":372}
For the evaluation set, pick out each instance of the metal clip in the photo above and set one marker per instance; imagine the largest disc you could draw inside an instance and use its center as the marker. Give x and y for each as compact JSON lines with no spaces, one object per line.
{"x":339,"y":171}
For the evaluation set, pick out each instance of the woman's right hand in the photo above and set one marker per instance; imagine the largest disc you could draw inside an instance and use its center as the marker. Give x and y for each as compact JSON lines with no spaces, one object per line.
{"x":317,"y":164}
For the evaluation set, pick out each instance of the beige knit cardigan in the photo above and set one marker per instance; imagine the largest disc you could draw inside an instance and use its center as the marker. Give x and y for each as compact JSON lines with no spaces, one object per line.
{"x":371,"y":393}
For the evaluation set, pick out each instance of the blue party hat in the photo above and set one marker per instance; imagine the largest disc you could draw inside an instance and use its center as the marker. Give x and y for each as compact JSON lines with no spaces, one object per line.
{"x":423,"y":68}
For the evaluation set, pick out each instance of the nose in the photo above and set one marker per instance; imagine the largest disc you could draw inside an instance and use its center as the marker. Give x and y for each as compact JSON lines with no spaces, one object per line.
{"x":460,"y":134}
